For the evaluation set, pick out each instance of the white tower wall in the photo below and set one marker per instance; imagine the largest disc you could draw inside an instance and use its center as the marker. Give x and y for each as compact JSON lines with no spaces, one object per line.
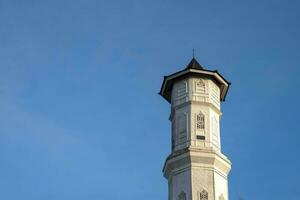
{"x":190,"y":97}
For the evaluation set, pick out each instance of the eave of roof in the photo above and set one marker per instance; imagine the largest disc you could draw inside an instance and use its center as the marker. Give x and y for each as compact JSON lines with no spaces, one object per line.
{"x":189,"y":71}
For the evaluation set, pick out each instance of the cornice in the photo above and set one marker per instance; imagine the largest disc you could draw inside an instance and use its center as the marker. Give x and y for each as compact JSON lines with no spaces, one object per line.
{"x":191,"y":102}
{"x":204,"y":158}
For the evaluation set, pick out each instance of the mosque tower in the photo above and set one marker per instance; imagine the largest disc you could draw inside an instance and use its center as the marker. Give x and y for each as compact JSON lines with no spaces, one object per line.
{"x":196,"y":169}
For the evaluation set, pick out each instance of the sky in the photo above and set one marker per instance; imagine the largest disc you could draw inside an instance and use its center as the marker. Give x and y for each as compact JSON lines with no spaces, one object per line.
{"x":80,"y":117}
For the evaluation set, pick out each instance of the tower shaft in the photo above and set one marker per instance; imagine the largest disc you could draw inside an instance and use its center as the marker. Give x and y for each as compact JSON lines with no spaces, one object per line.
{"x":196,"y":169}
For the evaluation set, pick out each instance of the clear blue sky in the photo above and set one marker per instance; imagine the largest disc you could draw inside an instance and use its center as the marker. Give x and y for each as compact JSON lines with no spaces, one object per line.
{"x":80,"y":117}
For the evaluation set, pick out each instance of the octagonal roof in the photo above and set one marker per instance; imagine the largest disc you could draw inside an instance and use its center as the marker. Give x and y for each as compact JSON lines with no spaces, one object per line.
{"x":193,"y":69}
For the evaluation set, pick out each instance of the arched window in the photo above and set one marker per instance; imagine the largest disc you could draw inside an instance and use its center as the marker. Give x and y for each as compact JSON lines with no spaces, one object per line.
{"x":204,"y":195}
{"x":200,"y":86}
{"x":182,"y":196}
{"x":200,"y":83}
{"x":200,"y":121}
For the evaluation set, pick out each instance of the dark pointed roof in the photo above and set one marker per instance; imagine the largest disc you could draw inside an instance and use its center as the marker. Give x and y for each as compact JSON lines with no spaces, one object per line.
{"x":194,"y":64}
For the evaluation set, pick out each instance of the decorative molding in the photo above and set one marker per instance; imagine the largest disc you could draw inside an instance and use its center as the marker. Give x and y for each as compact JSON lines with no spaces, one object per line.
{"x":212,"y":106}
{"x":200,"y":158}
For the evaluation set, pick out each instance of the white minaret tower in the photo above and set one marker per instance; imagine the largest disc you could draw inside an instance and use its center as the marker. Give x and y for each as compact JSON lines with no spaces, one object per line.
{"x":196,"y":169}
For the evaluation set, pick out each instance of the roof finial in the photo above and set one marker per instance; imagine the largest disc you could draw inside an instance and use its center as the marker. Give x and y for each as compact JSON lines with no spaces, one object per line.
{"x":193,"y":53}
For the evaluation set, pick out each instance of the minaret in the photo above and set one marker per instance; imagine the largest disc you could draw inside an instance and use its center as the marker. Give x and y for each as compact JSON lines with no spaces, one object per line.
{"x":196,"y":169}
